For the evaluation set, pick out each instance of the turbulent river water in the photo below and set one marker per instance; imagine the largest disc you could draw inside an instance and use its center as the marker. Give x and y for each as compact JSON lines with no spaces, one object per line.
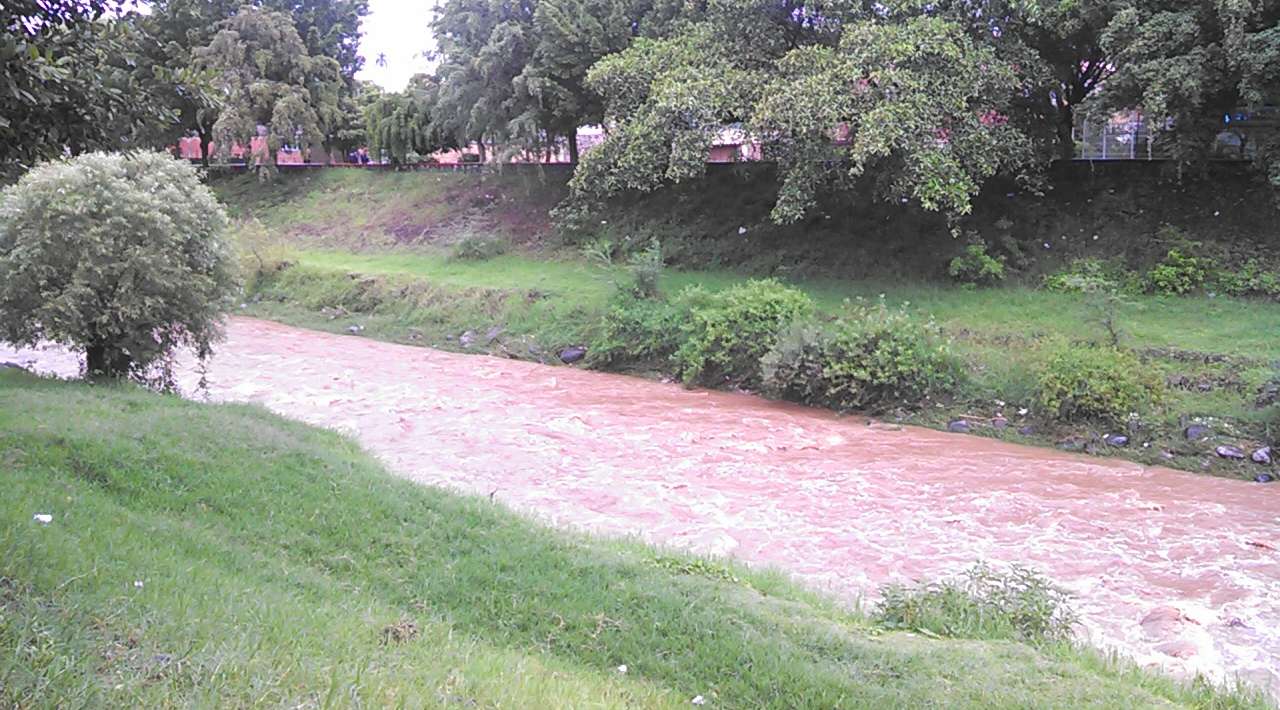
{"x":1173,"y":569}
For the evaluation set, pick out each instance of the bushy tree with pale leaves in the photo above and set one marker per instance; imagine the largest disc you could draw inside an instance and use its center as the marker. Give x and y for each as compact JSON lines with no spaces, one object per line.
{"x":120,"y":256}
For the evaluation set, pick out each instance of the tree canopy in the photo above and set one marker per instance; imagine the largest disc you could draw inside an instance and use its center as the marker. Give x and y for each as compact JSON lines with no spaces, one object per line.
{"x":68,"y":82}
{"x":398,"y":124}
{"x":264,"y":76}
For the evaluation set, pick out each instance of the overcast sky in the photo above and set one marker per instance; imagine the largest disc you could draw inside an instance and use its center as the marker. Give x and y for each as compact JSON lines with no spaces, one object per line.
{"x":397,"y":30}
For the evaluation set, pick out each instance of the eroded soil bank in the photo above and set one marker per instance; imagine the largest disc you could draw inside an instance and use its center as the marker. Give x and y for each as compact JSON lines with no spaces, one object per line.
{"x":1172,"y":568}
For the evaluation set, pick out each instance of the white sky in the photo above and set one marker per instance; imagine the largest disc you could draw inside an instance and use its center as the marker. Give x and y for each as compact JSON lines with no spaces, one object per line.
{"x":400,"y":31}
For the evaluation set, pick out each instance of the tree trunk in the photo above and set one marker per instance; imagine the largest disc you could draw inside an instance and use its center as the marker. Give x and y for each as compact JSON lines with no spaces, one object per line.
{"x":102,"y":361}
{"x":1065,"y":124}
{"x":206,"y":141}
{"x":573,"y":146}
{"x":480,"y":142}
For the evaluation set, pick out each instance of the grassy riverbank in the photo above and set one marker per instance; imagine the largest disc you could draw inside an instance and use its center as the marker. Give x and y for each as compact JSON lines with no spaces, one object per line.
{"x":351,"y":269}
{"x":219,"y":555}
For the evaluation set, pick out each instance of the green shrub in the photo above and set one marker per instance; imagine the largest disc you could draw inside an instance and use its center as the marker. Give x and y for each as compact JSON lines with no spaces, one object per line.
{"x":122,"y":256}
{"x":1087,"y":275}
{"x":983,"y":604}
{"x":872,"y":357}
{"x":478,"y":248}
{"x":636,"y":332}
{"x":1251,"y":279}
{"x":976,"y":267}
{"x":1177,"y":274}
{"x":1088,"y":382}
{"x":644,"y":268}
{"x":727,"y":332}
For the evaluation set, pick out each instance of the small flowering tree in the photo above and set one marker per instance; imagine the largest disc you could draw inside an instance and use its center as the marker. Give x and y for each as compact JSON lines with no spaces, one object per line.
{"x":121,"y":256}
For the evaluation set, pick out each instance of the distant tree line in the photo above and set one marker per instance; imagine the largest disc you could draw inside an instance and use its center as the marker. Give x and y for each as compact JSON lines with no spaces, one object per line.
{"x":924,"y":100}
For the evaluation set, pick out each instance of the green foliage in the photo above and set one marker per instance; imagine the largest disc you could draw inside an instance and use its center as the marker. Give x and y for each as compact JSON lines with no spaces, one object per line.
{"x":1086,"y":275}
{"x":645,"y":269}
{"x":478,"y":248}
{"x":1096,"y":383}
{"x":121,"y":256}
{"x":1190,"y":64}
{"x":70,"y":81}
{"x":261,"y":252}
{"x":399,"y":125}
{"x":637,"y":333}
{"x":982,"y":603}
{"x":266,"y":77}
{"x":1253,"y":278}
{"x":976,"y":267}
{"x":870,"y":358}
{"x":1178,"y":273}
{"x":728,"y":332}
{"x":912,"y":100}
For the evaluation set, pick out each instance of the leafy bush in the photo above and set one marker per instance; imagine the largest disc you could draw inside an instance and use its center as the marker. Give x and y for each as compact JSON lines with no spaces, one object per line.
{"x":982,"y":603}
{"x":645,"y":269}
{"x":1177,"y":274}
{"x":976,"y":267}
{"x":1087,"y":275}
{"x":637,"y":332}
{"x":727,"y":332}
{"x":1251,"y":279}
{"x":120,"y":255}
{"x":872,"y":357}
{"x":478,"y":248}
{"x":1079,"y":382}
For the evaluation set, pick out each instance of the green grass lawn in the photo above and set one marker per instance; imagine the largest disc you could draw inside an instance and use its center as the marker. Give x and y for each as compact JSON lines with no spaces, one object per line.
{"x":1210,"y":325}
{"x":217,"y":555}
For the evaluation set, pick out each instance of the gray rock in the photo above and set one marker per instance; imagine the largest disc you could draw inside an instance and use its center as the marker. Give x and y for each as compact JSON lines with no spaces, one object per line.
{"x":1264,"y":478}
{"x":1027,"y":430}
{"x":958,"y":426}
{"x":1000,"y":423}
{"x":1262,"y":456}
{"x":467,"y":338}
{"x":1196,"y":431}
{"x":493,"y":333}
{"x":355,"y":329}
{"x":573,"y":354}
{"x":1229,"y":452}
{"x":1116,"y":440}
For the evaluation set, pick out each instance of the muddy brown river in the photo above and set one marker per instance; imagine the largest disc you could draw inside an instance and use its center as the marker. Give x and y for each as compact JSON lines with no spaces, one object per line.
{"x":1173,"y":569}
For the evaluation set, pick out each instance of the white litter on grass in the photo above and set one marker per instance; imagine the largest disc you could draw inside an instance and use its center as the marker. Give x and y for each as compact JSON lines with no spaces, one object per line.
{"x":137,"y":584}
{"x":699,"y":700}
{"x":622,"y":668}
{"x":43,"y":518}
{"x":742,"y":230}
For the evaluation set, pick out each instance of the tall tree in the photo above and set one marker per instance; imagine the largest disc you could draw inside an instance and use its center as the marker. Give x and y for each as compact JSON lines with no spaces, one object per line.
{"x":400,"y":123}
{"x":483,"y":45}
{"x":832,"y":92}
{"x":1191,"y":62}
{"x":330,"y":28}
{"x":265,"y":77}
{"x":1058,"y":47}
{"x":68,"y":81}
{"x":570,"y":37}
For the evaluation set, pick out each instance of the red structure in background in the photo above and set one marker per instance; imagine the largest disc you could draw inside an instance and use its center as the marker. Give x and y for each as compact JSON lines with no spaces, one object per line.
{"x":189,"y":148}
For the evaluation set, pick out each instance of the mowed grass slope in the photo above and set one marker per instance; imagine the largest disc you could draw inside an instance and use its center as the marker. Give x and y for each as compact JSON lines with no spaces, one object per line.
{"x":214,"y":555}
